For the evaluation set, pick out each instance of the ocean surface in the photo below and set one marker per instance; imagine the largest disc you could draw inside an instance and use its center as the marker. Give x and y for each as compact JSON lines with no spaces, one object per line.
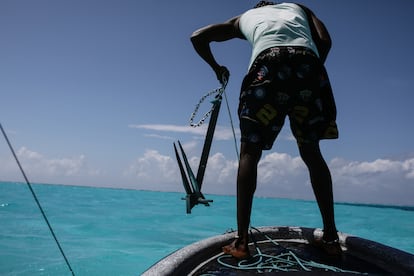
{"x":123,"y":232}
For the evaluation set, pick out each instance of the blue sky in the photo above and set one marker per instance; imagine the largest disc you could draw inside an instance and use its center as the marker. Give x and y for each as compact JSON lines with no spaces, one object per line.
{"x":95,"y":92}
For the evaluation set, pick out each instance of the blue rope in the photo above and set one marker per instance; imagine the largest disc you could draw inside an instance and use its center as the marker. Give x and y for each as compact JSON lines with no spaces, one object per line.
{"x":286,"y":262}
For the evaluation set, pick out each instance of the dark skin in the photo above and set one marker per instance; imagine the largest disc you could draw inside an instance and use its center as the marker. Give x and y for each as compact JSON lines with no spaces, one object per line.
{"x":250,"y":154}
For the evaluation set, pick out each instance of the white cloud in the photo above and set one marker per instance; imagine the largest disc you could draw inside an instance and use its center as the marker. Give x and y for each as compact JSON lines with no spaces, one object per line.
{"x":190,"y":146}
{"x":164,"y":137}
{"x":43,"y":169}
{"x":221,"y":132}
{"x":153,"y":171}
{"x":220,"y":175}
{"x":35,"y":162}
{"x":278,"y":165}
{"x":380,"y":181}
{"x":169,"y":128}
{"x":408,"y":166}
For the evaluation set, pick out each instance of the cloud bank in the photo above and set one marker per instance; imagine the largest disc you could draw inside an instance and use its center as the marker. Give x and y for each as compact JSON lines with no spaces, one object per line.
{"x":42,"y":169}
{"x":382,"y":181}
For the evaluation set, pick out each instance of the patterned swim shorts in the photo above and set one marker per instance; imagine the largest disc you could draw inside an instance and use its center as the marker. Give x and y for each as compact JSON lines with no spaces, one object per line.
{"x":287,"y":81}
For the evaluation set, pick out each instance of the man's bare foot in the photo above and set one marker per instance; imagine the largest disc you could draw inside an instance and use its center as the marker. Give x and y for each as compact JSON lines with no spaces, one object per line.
{"x":237,"y":250}
{"x":330,"y":247}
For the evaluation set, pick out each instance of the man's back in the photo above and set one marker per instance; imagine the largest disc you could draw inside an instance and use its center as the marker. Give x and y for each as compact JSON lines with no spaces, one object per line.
{"x":284,"y":24}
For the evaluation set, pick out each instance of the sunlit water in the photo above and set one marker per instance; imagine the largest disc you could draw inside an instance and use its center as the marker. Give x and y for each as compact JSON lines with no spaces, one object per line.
{"x":123,"y":232}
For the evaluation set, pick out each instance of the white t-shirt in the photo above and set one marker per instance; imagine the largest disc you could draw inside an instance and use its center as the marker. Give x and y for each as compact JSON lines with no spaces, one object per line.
{"x":283,"y":24}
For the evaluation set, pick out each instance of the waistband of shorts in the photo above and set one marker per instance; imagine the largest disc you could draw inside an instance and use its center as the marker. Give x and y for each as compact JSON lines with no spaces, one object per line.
{"x":290,"y":50}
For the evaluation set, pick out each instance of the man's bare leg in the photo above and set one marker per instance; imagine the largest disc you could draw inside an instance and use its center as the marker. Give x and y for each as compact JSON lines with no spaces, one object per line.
{"x":322,"y":186}
{"x":246,"y":186}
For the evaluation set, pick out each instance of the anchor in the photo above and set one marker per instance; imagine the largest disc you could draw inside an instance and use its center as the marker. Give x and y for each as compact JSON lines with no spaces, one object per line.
{"x":192,"y":184}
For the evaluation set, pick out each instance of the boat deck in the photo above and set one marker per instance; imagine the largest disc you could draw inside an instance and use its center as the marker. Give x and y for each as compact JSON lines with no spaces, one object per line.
{"x":277,"y":260}
{"x":282,"y":250}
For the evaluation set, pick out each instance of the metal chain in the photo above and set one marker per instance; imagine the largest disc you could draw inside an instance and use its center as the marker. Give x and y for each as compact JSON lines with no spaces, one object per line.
{"x":219,"y":91}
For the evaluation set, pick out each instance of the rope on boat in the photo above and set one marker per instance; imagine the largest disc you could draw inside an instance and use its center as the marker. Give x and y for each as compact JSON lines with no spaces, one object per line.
{"x":286,"y":261}
{"x":37,"y":201}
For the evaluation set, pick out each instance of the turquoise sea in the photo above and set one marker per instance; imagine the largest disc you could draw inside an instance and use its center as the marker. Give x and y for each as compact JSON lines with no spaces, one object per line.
{"x":123,"y":232}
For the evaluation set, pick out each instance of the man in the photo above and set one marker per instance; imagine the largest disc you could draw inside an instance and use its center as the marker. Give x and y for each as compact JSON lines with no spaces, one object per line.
{"x":286,"y":77}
